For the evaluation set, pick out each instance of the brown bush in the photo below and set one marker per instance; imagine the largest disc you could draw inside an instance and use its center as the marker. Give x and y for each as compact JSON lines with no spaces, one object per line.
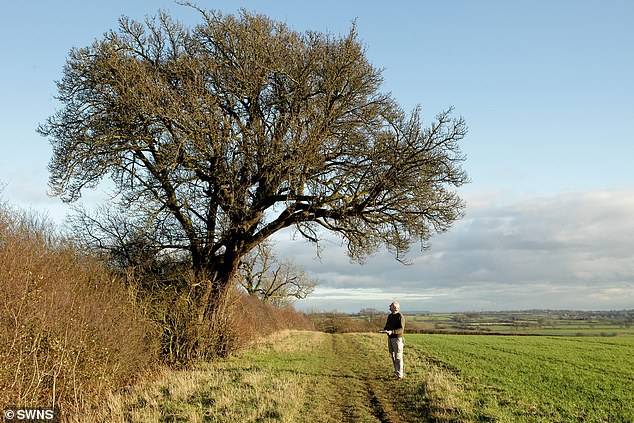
{"x":236,"y":322}
{"x":69,"y":330}
{"x":253,"y":319}
{"x":344,"y":323}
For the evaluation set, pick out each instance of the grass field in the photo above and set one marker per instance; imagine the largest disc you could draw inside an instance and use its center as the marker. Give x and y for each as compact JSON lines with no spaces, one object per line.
{"x":319,"y":377}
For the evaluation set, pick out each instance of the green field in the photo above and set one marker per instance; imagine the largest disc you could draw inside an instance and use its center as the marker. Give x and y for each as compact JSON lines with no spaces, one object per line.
{"x":319,"y":377}
{"x":539,"y":378}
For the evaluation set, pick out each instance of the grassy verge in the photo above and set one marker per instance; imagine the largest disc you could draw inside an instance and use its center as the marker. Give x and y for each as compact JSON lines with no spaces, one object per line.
{"x":290,"y":377}
{"x":316,"y":377}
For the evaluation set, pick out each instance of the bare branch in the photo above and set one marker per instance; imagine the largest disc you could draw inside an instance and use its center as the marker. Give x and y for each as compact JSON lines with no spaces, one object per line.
{"x":220,"y":135}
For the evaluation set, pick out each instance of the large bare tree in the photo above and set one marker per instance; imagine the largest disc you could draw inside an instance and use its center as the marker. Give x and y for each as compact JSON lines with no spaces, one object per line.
{"x":220,"y":135}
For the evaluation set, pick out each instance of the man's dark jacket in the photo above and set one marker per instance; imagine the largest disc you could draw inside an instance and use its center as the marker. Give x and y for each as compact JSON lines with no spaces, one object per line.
{"x":395,"y":323}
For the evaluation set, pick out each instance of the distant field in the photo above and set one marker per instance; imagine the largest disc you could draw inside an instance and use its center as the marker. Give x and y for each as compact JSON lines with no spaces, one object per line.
{"x":318,"y":377}
{"x":532,"y":323}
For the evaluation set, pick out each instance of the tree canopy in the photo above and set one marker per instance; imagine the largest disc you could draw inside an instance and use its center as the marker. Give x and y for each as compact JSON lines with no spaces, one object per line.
{"x":220,"y":135}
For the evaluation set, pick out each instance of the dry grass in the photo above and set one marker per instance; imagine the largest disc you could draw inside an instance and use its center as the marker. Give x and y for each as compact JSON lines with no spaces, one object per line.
{"x":253,"y":320}
{"x":285,"y":341}
{"x":222,"y":391}
{"x":444,"y":394}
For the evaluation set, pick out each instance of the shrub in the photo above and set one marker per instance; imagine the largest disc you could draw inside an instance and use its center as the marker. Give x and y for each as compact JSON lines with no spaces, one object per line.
{"x":69,"y":330}
{"x":236,"y":322}
{"x":343,"y":323}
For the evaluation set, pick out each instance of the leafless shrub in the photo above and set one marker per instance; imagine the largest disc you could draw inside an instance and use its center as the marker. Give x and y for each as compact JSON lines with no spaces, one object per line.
{"x":238,"y":320}
{"x":69,"y":331}
{"x":342,"y":323}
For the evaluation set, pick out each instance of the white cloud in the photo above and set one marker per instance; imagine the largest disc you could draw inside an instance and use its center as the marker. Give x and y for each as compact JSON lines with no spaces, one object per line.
{"x":329,"y":293}
{"x":573,"y":250}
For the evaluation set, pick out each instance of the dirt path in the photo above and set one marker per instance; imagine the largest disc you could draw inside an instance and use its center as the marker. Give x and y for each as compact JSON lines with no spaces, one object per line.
{"x":362,"y":377}
{"x":301,"y":377}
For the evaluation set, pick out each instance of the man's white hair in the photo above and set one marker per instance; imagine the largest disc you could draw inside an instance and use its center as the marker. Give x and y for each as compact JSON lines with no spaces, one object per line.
{"x":396,"y":304}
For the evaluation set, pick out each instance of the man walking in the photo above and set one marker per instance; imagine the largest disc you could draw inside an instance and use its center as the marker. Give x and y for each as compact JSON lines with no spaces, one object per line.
{"x":394,"y":330}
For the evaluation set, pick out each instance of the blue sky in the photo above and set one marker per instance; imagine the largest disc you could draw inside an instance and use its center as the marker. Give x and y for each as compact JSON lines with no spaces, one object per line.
{"x":546,"y":89}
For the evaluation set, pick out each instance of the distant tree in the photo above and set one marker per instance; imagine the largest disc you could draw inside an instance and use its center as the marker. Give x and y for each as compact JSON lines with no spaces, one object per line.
{"x":370,"y":312}
{"x":279,"y":283}
{"x":372,"y":315}
{"x":218,"y":136}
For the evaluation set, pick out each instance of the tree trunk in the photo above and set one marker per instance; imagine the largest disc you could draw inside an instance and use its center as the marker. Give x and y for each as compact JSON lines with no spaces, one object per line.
{"x":214,"y":287}
{"x":211,"y":312}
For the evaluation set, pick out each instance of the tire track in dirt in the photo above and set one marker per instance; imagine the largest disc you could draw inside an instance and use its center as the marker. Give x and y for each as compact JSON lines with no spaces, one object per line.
{"x":342,"y":372}
{"x":377,"y":408}
{"x":373,"y":377}
{"x":400,"y":401}
{"x":355,"y":385}
{"x":357,"y":401}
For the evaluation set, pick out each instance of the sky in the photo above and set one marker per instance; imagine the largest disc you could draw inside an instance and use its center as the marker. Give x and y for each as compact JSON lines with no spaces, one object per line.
{"x":545,"y":87}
